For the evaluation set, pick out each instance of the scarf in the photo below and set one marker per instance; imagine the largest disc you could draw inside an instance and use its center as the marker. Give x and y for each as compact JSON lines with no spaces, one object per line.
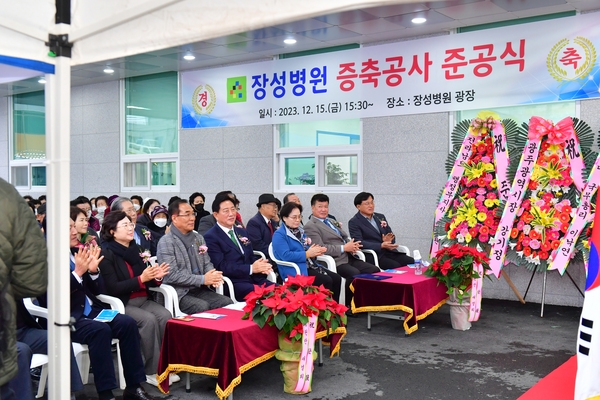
{"x":130,"y":254}
{"x":189,"y":241}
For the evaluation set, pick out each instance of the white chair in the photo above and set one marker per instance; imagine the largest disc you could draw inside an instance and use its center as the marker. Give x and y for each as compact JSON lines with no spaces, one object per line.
{"x":81,"y":350}
{"x":362,"y":252}
{"x":40,"y":361}
{"x":330,"y":262}
{"x":281,"y":262}
{"x":115,"y":304}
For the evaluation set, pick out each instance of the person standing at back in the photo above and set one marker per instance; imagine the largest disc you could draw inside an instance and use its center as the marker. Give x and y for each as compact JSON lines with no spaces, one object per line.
{"x":23,"y":273}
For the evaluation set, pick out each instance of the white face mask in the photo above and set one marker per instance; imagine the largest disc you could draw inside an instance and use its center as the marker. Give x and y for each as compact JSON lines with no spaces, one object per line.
{"x":136,"y":207}
{"x":160,"y":222}
{"x":101,"y":209}
{"x":94,"y":208}
{"x":89,"y":213}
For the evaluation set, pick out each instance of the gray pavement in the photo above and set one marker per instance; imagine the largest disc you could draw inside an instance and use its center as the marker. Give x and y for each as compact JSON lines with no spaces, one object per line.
{"x":505,"y":353}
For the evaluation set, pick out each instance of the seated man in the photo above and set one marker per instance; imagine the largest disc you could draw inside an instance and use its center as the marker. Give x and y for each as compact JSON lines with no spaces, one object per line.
{"x":262,"y":226}
{"x":375,"y":233}
{"x":191,"y":272}
{"x":86,"y":283}
{"x":142,"y":235}
{"x":31,"y":334}
{"x":208,"y":221}
{"x":328,"y":232}
{"x":231,"y":251}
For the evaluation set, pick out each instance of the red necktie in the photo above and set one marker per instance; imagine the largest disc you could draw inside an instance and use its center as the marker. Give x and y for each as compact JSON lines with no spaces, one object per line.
{"x":270,"y":227}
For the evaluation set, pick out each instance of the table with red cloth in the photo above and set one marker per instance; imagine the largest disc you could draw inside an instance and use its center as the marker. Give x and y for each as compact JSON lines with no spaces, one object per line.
{"x":417,"y":295}
{"x":225,"y":348}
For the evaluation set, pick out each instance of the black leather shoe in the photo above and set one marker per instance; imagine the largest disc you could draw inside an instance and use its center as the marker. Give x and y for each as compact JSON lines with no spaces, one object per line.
{"x":138,"y":394}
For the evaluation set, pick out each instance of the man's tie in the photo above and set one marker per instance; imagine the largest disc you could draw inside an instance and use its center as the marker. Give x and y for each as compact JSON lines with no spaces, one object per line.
{"x":232,"y":237}
{"x":329,"y":224}
{"x":270,"y":227}
{"x":87,"y":308}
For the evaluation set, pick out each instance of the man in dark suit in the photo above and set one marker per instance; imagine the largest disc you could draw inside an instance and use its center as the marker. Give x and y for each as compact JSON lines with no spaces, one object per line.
{"x":142,"y":235}
{"x":230,"y":250}
{"x":86,"y":283}
{"x":262,"y":226}
{"x":328,"y":232}
{"x":374,"y":232}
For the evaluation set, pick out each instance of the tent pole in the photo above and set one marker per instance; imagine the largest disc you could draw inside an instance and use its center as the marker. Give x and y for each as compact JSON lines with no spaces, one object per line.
{"x":58,"y":104}
{"x":58,"y":154}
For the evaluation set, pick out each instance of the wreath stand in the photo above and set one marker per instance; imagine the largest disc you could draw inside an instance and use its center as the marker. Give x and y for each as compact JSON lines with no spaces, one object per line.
{"x":544,"y":288}
{"x":513,"y":287}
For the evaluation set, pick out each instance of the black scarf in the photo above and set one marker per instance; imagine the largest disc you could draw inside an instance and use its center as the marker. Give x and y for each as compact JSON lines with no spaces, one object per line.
{"x":130,"y":254}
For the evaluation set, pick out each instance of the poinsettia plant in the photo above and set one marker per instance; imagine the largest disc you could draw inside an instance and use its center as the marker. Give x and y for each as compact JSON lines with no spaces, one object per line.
{"x":290,"y":305}
{"x":454,"y":267}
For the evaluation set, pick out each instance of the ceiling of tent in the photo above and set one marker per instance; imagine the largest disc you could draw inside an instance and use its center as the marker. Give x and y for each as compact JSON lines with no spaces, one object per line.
{"x":362,"y":26}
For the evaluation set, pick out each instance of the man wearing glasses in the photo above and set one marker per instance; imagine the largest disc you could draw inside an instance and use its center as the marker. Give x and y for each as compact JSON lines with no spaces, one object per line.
{"x":191,"y":272}
{"x":142,"y":235}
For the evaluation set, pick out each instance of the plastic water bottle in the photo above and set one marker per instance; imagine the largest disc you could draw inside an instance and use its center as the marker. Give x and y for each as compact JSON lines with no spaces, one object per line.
{"x":418,"y":263}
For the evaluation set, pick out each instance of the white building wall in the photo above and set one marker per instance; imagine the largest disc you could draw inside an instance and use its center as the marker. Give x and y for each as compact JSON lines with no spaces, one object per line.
{"x":404,"y":160}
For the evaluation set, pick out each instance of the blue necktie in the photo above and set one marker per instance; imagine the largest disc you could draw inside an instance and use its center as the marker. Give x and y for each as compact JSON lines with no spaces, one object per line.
{"x":86,"y":308}
{"x":329,"y":224}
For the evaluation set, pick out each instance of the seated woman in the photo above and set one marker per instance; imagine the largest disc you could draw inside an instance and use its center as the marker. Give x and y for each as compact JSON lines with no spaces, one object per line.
{"x":144,"y":218}
{"x":128,"y":277}
{"x":290,"y":243}
{"x":159,"y":221}
{"x":85,"y":235}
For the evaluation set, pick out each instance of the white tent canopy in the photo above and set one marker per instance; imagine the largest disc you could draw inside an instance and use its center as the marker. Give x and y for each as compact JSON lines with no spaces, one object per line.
{"x":104,"y":30}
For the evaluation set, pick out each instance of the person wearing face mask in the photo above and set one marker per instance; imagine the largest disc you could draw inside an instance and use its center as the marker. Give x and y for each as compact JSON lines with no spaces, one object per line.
{"x":138,"y":203}
{"x":197,"y":202}
{"x":101,"y":207}
{"x":159,"y":221}
{"x":147,"y":208}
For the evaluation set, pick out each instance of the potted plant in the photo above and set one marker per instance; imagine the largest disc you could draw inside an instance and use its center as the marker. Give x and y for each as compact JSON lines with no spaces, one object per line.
{"x":297,"y":309}
{"x":460,"y":268}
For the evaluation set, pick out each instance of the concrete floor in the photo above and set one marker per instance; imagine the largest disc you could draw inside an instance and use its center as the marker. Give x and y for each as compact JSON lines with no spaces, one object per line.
{"x":505,"y":353}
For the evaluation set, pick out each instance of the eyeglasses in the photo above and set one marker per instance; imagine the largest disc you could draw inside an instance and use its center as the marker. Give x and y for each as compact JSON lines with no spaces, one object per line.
{"x":130,"y":211}
{"x":296,"y":217}
{"x":127,"y":225}
{"x":194,"y":214}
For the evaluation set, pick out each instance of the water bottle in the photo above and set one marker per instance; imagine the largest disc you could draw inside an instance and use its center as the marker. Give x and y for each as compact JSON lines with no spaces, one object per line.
{"x":418,"y":263}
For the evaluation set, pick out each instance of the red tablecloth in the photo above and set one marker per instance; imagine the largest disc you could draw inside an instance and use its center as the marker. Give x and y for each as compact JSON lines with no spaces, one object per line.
{"x":224,"y":348}
{"x":416,"y":295}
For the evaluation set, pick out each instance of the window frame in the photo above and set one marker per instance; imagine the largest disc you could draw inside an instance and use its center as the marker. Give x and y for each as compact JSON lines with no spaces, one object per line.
{"x":148,"y":158}
{"x":318,"y":153}
{"x":29,"y":163}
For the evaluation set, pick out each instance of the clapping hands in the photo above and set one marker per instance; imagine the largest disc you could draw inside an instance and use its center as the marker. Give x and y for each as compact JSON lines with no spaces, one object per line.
{"x":87,"y":260}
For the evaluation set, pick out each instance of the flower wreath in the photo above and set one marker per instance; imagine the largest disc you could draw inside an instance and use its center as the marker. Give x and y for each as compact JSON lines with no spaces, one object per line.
{"x":552,"y":195}
{"x":471,"y":217}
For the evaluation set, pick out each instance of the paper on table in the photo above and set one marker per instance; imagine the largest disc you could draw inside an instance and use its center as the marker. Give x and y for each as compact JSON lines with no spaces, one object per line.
{"x":394,"y":271}
{"x":208,"y":315}
{"x":236,"y":306}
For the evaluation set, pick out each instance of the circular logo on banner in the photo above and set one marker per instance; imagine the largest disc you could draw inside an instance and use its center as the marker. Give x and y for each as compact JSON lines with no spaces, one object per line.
{"x":204,"y":99}
{"x":571,"y":60}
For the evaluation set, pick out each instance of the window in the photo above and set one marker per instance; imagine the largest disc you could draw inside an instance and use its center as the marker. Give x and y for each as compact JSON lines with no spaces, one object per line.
{"x":28,"y":141}
{"x":150,"y":158}
{"x":319,"y":155}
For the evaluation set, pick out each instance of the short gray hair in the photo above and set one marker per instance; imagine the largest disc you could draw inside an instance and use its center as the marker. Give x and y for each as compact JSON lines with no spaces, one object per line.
{"x":117,"y":203}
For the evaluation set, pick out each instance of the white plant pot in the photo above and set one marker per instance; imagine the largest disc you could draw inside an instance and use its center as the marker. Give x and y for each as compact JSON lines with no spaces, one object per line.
{"x":459,"y":313}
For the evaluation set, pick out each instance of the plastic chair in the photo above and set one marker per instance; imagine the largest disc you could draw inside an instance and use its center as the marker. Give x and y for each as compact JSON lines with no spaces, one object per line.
{"x":330,"y":262}
{"x":40,"y":360}
{"x":81,"y":351}
{"x":281,"y":262}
